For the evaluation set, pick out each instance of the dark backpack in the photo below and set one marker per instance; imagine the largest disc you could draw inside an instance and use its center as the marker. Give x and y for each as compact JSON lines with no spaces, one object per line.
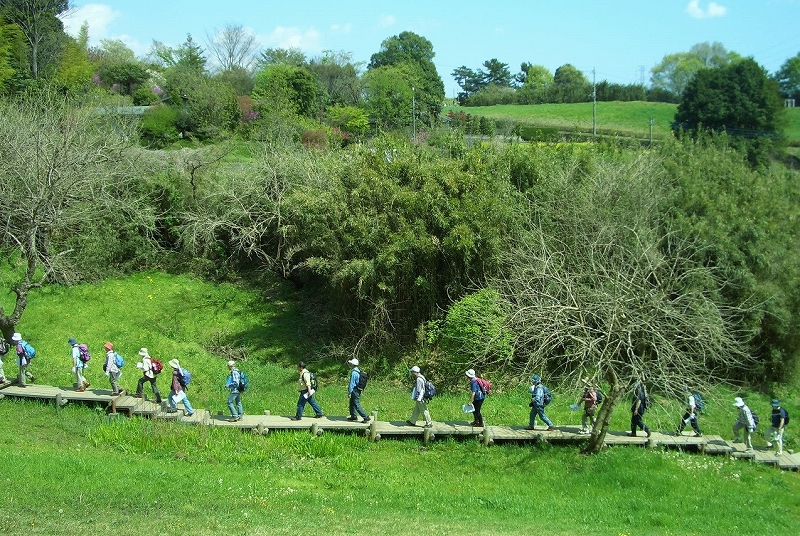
{"x":600,"y":396}
{"x":363,"y":378}
{"x":756,"y":420}
{"x":83,"y":353}
{"x":4,"y":346}
{"x":430,"y":390}
{"x":547,"y":395}
{"x":785,"y":416}
{"x":184,"y":377}
{"x":313,"y":380}
{"x":156,"y":365}
{"x":484,"y":385}
{"x":699,"y":403}
{"x":244,"y":382}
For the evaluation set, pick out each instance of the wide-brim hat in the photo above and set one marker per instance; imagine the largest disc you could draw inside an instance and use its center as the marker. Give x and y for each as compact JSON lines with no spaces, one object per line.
{"x":353,"y":362}
{"x":16,"y":337}
{"x":536,"y":378}
{"x":144,"y":353}
{"x":470,"y":373}
{"x":776,"y":403}
{"x":738,"y":402}
{"x":414,"y":369}
{"x":231,"y":363}
{"x":108,"y":346}
{"x":72,"y":341}
{"x":174,"y":364}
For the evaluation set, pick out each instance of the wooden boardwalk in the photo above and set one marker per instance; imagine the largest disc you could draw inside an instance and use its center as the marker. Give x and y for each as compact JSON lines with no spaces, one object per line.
{"x":375,"y":429}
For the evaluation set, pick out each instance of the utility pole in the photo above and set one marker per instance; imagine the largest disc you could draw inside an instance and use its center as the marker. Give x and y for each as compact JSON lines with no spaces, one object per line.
{"x":414,"y":112}
{"x":594,"y":105}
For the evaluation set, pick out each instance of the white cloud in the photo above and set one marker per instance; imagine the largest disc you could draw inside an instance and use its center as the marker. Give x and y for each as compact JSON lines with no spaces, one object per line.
{"x":714,"y":10}
{"x":294,"y":37}
{"x":386,"y":21}
{"x":341,"y":28}
{"x":99,"y":16}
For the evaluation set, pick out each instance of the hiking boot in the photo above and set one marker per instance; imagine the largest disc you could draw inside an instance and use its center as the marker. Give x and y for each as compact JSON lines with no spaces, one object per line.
{"x":137,"y":395}
{"x":530,"y":428}
{"x":366,"y":419}
{"x":648,"y":433}
{"x":85,"y":383}
{"x":296,"y":418}
{"x":321,"y":415}
{"x":698,"y":434}
{"x":429,"y":425}
{"x":631,"y":434}
{"x":32,"y":378}
{"x":190,"y":414}
{"x":550,"y":428}
{"x":80,"y":389}
{"x":352,"y":418}
{"x":584,"y":432}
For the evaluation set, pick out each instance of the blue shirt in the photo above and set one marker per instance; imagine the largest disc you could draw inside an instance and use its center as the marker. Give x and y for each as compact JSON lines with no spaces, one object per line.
{"x":473,"y":385}
{"x":233,"y":381}
{"x":355,"y":375}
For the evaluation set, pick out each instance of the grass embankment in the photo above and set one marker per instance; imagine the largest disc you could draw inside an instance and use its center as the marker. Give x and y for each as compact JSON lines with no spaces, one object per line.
{"x":73,"y":470}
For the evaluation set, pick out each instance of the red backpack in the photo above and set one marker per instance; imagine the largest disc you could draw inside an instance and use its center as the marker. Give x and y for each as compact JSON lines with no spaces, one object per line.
{"x":484,"y":385}
{"x":156,"y":365}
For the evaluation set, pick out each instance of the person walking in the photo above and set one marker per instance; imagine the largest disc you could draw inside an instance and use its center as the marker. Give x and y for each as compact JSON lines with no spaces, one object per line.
{"x":418,"y":396}
{"x":638,"y":407}
{"x":780,"y":417}
{"x":148,"y":375}
{"x":691,"y":415}
{"x":78,"y":365}
{"x":744,"y":421}
{"x":354,"y":392}
{"x":537,"y":404}
{"x":235,"y":396}
{"x":25,"y":353}
{"x":112,"y":369}
{"x":477,"y":394}
{"x":177,"y":391}
{"x":589,"y":400}
{"x":306,"y":389}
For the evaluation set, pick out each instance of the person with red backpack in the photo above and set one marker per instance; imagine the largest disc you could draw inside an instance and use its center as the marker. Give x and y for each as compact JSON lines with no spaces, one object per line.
{"x":477,"y":388}
{"x":79,"y":363}
{"x":149,"y":370}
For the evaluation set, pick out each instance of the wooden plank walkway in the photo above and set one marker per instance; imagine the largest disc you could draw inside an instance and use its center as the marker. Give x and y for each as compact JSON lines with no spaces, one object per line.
{"x":375,"y":429}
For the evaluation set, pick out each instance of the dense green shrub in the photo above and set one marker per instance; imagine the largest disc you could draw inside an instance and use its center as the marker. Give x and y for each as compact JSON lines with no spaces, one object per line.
{"x":159,"y":126}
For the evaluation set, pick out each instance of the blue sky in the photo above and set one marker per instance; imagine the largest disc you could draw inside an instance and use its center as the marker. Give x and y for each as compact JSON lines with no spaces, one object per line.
{"x":621,"y":40}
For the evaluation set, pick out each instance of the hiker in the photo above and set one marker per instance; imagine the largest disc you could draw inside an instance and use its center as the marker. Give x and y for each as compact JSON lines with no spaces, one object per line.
{"x":589,"y":399}
{"x":538,"y":403}
{"x":306,"y":390}
{"x":775,"y":432}
{"x":354,"y":392}
{"x":477,"y":395}
{"x":638,"y":407}
{"x":148,"y":375}
{"x":4,"y":349}
{"x":418,"y":396}
{"x":78,"y":365}
{"x":235,"y":396}
{"x":25,"y":353}
{"x":745,"y":421}
{"x":177,"y":392}
{"x":111,"y":367}
{"x":691,"y":415}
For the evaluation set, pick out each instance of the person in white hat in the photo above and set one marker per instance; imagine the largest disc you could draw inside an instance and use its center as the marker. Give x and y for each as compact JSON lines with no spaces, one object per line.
{"x":477,"y":394}
{"x":25,"y":353}
{"x":148,"y":375}
{"x":418,"y":396}
{"x":177,"y":391}
{"x":358,"y":381}
{"x":744,"y":421}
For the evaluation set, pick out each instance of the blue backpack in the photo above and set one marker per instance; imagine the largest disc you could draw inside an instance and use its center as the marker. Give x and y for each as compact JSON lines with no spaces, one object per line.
{"x":28,"y":350}
{"x":119,"y":360}
{"x":184,"y":377}
{"x":547,"y":395}
{"x":699,"y":403}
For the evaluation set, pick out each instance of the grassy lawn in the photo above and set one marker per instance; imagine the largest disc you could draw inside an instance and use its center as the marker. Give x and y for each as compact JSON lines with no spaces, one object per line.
{"x":72,"y":469}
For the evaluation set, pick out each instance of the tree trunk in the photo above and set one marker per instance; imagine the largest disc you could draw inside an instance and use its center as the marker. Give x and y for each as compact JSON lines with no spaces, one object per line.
{"x":613,"y":397}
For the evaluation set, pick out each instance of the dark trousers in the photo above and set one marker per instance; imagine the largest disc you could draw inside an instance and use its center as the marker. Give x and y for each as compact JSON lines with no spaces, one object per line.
{"x":477,"y":413}
{"x":690,"y":418}
{"x":355,"y":405}
{"x":140,"y":387}
{"x":638,"y":422}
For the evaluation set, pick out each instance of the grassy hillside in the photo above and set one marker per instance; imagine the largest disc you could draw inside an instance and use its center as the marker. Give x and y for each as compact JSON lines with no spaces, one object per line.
{"x":134,"y":476}
{"x":613,"y":118}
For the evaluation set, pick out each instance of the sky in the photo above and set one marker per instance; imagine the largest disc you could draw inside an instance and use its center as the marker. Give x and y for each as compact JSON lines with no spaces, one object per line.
{"x":615,"y":40}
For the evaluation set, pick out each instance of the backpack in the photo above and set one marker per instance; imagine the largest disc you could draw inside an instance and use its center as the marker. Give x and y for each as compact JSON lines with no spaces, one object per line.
{"x":313,"y":381}
{"x":28,"y":350}
{"x":119,"y":360}
{"x":244,"y":381}
{"x":83,"y":353}
{"x":430,"y":390}
{"x":363,"y":378}
{"x":547,"y":396}
{"x":699,"y":403}
{"x":756,"y":420}
{"x":184,"y":377}
{"x":484,"y":385}
{"x":4,"y":347}
{"x":785,"y":417}
{"x":156,"y":365}
{"x":600,"y":396}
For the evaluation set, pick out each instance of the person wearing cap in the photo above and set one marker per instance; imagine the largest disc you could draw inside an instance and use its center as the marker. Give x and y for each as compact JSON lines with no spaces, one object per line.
{"x":235,"y":396}
{"x":745,"y":421}
{"x":23,"y":360}
{"x":177,"y":391}
{"x":691,"y":414}
{"x":306,"y":393}
{"x":476,"y":397}
{"x":112,"y":369}
{"x":589,"y":399}
{"x":148,"y":375}
{"x":418,"y":396}
{"x":638,"y":407}
{"x":354,"y":393}
{"x":78,"y":365}
{"x":775,"y":431}
{"x":537,"y":405}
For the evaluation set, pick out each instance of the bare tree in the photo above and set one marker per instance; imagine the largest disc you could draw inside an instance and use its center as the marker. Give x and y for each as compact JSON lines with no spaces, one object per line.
{"x":599,"y":288}
{"x":234,"y":46}
{"x":62,"y":166}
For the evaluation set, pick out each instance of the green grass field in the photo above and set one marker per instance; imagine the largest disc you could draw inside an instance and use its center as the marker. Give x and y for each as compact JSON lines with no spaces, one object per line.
{"x":630,"y":119}
{"x":75,"y":470}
